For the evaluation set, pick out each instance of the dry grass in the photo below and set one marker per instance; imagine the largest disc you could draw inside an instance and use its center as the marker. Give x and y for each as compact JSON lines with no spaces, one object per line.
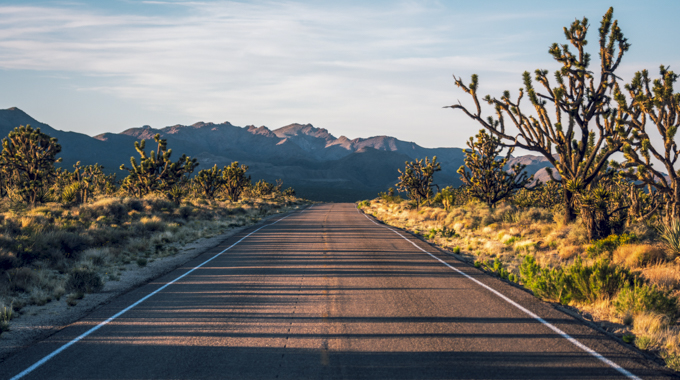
{"x":638,"y":255}
{"x":41,"y":247}
{"x":664,"y":275}
{"x":509,"y":234}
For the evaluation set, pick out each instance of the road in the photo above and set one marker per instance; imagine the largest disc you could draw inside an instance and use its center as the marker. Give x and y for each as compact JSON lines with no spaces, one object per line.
{"x":329,"y":294}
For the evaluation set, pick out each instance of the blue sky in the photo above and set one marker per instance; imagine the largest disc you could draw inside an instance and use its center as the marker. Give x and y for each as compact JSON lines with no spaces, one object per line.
{"x":358,"y":68}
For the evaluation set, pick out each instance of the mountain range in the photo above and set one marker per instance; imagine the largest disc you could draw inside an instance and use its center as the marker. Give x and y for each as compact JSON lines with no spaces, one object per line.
{"x":315,"y":163}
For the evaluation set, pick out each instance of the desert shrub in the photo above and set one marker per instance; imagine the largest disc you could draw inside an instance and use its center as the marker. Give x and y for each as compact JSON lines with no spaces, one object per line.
{"x":63,"y":242}
{"x":590,"y":282}
{"x":641,"y":297}
{"x":22,"y":279}
{"x":546,"y":283}
{"x":111,"y":207}
{"x":364,"y":203}
{"x":152,"y":224}
{"x":496,"y":266}
{"x":83,"y":280}
{"x":609,"y":244}
{"x":133,"y":204}
{"x":185,"y":212}
{"x":8,"y":259}
{"x":97,"y":256}
{"x":576,"y":282}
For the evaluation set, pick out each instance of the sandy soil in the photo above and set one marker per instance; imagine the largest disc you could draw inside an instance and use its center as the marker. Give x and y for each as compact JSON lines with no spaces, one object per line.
{"x":38,"y":322}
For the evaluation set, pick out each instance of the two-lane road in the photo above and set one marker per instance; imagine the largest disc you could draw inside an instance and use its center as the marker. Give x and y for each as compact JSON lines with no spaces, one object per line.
{"x":328,"y":293}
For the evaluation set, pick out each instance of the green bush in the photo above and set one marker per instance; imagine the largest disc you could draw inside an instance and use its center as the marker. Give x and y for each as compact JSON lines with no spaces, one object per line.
{"x":588,"y":283}
{"x":577,"y":282}
{"x":363,"y":204}
{"x":609,"y":244}
{"x":83,"y":280}
{"x":642,"y":297}
{"x":495,"y":266}
{"x":546,"y":283}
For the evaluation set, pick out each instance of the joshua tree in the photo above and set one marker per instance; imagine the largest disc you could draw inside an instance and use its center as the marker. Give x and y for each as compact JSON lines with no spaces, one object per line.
{"x":447,"y":196}
{"x":156,"y":173}
{"x":27,"y":160}
{"x":583,"y":131}
{"x":209,"y":181}
{"x":417,"y":177}
{"x":235,"y":180}
{"x":83,"y":183}
{"x":487,"y":180}
{"x":655,"y":106}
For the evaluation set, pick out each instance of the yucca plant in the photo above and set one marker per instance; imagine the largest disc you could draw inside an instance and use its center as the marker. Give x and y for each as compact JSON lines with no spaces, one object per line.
{"x":5,"y":316}
{"x":670,"y":234}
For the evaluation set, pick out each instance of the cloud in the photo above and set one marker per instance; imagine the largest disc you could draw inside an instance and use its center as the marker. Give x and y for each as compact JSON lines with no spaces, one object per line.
{"x":334,"y":65}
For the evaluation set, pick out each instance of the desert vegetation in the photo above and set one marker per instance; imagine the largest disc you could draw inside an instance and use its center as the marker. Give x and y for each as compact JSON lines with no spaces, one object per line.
{"x":66,"y":233}
{"x":601,"y":236}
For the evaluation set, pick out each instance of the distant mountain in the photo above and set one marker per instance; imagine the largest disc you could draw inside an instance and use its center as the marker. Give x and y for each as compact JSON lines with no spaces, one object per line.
{"x":311,"y":160}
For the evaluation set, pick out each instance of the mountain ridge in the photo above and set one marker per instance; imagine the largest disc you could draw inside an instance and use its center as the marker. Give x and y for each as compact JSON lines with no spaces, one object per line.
{"x":317,"y":164}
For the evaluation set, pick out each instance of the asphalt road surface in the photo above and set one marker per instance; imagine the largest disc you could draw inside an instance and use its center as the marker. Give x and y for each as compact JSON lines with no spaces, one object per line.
{"x":329,"y":293}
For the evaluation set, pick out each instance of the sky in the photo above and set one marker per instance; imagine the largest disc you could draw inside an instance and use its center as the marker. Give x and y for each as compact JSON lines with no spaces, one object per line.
{"x":356,"y":68}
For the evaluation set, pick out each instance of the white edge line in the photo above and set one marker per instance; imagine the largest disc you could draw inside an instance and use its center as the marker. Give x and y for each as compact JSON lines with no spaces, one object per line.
{"x":90,"y":331}
{"x":520,"y":307}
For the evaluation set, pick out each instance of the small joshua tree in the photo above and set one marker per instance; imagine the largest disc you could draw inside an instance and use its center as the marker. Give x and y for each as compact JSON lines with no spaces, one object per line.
{"x":156,"y":173}
{"x":263,"y":188}
{"x":27,"y":160}
{"x":417,"y":177}
{"x":487,"y":179}
{"x":209,"y":181}
{"x":83,"y":183}
{"x":235,"y":180}
{"x":447,"y":197}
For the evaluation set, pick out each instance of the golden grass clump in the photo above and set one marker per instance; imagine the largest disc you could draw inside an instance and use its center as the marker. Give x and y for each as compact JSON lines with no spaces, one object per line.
{"x":665,"y":275}
{"x":569,"y":252}
{"x":638,"y":255}
{"x":651,"y":330}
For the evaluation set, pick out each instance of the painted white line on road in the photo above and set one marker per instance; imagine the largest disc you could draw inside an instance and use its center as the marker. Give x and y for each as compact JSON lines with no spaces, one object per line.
{"x":90,"y":331}
{"x":578,"y":344}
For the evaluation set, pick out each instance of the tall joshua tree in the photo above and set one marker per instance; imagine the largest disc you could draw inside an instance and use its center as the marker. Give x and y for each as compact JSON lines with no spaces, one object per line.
{"x":584,"y":130}
{"x":27,"y":160}
{"x":487,"y":179}
{"x":653,"y":107}
{"x":417,"y":177}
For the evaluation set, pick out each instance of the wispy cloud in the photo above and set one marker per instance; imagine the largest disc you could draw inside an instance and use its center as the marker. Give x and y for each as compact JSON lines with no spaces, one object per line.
{"x":334,"y":65}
